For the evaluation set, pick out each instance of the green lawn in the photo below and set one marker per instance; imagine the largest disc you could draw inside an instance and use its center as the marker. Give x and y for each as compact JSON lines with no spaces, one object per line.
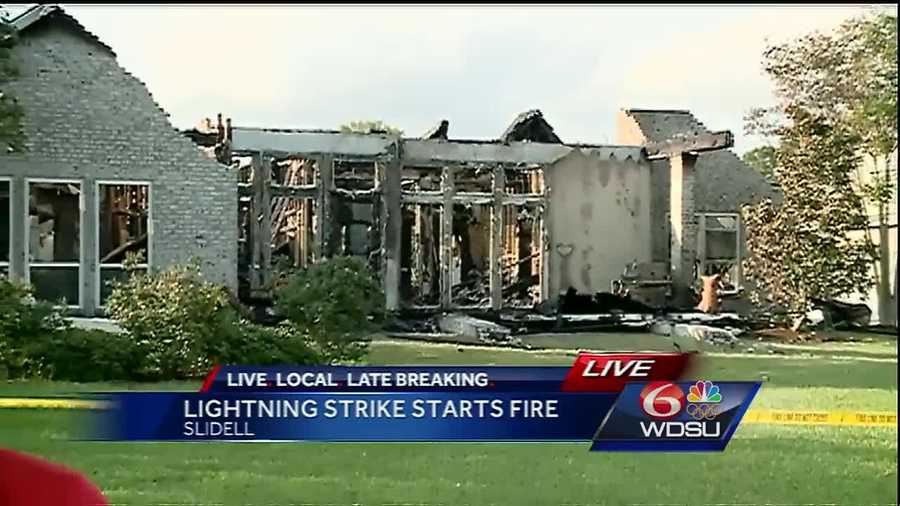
{"x":762,"y":465}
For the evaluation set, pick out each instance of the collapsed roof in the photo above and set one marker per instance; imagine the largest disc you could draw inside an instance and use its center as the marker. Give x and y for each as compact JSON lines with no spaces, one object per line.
{"x":530,"y":126}
{"x":659,"y":125}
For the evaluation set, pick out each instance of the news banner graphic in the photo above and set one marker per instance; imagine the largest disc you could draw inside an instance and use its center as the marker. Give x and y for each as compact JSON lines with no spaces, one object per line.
{"x":618,"y":402}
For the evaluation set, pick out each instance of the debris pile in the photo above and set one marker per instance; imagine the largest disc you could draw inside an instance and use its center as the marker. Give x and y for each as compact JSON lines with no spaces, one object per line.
{"x":574,"y":312}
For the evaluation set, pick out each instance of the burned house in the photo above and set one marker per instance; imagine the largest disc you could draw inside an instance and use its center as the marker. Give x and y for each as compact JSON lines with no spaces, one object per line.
{"x":721,"y":184}
{"x":444,"y":222}
{"x":103,"y":174}
{"x":489,"y":224}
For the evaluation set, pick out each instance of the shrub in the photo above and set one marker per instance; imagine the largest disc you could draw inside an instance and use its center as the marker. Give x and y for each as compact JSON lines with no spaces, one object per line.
{"x":251,"y":344}
{"x":86,"y":355}
{"x":22,"y":322}
{"x":336,"y":304}
{"x":176,"y":319}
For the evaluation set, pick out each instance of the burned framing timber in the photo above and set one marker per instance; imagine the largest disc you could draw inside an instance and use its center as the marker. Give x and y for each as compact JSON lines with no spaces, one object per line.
{"x":460,"y":224}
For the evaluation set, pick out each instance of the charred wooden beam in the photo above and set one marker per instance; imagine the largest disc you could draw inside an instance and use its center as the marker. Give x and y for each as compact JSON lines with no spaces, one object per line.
{"x":351,"y":147}
{"x":323,"y":213}
{"x":365,"y":196}
{"x":438,"y":132}
{"x":496,"y":245}
{"x":391,"y":229}
{"x":512,"y":199}
{"x":690,"y":144}
{"x":430,"y":153}
{"x":261,"y":228}
{"x":476,"y":198}
{"x":376,"y":253}
{"x":294,"y":191}
{"x":446,"y":242}
{"x":472,"y":198}
{"x":311,"y":143}
{"x":435,"y":197}
{"x":282,"y":190}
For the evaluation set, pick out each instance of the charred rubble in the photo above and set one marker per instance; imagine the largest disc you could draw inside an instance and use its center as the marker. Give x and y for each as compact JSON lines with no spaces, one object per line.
{"x":458,"y":230}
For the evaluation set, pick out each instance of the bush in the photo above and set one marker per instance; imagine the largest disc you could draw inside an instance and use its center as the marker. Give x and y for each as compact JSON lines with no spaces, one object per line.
{"x":251,"y":344}
{"x":86,"y":355}
{"x":22,"y":322}
{"x":182,"y":324}
{"x":176,"y":319}
{"x":336,"y":304}
{"x":177,"y":325}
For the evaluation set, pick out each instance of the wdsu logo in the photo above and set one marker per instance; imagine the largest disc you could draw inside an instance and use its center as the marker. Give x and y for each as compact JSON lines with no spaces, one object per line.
{"x":675,"y":416}
{"x":666,"y":405}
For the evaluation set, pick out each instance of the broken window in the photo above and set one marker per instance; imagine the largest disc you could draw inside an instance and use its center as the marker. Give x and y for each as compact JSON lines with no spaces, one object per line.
{"x":470,"y":273}
{"x":527,"y":182}
{"x":477,"y":179}
{"x":720,"y":247}
{"x":354,"y":226}
{"x":293,"y":218}
{"x":242,"y":165}
{"x":522,"y":255}
{"x":420,"y":267}
{"x":5,"y":226}
{"x":523,"y":241}
{"x":54,"y":240}
{"x":123,"y":230}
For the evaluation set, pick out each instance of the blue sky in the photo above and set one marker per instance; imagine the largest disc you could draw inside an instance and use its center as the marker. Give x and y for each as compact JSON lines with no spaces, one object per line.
{"x":477,"y":66}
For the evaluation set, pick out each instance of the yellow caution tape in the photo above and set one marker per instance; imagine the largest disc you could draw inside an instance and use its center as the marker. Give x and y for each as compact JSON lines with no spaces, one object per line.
{"x":51,"y":403}
{"x":765,"y":416}
{"x":845,"y":418}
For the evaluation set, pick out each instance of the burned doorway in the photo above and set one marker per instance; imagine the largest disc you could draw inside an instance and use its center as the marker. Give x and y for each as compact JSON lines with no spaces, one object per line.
{"x":279,"y":211}
{"x":473,"y":237}
{"x":355,"y":211}
{"x":524,"y":237}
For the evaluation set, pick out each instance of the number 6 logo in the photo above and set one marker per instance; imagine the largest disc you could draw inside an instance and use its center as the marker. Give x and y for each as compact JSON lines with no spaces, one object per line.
{"x":662,"y":400}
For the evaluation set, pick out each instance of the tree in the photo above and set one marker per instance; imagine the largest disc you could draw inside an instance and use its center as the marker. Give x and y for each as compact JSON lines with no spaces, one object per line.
{"x":11,"y":136}
{"x":838,"y":92}
{"x":336,"y":304}
{"x":802,"y":249}
{"x":368,"y":127}
{"x":762,"y":159}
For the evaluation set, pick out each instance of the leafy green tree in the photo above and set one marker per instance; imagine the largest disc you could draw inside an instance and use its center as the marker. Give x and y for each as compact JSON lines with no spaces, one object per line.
{"x":368,"y":126}
{"x":836,"y":92}
{"x":801,"y":249}
{"x":762,"y":159}
{"x":11,"y":137}
{"x":337,"y":303}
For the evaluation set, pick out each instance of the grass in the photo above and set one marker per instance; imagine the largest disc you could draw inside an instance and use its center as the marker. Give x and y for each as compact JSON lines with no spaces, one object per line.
{"x":762,"y":465}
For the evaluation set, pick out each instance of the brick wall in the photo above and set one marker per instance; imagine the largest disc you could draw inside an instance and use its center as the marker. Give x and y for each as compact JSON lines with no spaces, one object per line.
{"x":86,"y":118}
{"x":682,"y":177}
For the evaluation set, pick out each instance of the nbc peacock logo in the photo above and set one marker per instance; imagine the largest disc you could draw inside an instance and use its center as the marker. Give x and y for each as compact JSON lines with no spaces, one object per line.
{"x":704,"y":392}
{"x":703,"y":397}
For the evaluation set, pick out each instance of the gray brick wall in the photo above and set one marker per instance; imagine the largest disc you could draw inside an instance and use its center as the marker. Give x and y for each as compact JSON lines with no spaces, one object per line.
{"x":723,"y":183}
{"x":683,"y":239}
{"x":86,"y":118}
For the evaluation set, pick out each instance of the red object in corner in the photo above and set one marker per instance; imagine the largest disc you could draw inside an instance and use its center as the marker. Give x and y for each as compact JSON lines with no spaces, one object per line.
{"x":26,"y":480}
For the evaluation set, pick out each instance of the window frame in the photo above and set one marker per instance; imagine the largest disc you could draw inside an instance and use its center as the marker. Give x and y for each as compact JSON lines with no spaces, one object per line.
{"x":98,"y":279}
{"x":26,"y":215}
{"x":9,"y":254}
{"x":701,"y":245}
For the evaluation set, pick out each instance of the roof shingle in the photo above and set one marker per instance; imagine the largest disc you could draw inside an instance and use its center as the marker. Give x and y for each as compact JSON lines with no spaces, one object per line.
{"x":664,"y":124}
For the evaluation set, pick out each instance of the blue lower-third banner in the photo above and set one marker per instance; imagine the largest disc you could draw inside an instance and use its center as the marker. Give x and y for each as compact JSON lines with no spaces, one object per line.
{"x":652,"y":416}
